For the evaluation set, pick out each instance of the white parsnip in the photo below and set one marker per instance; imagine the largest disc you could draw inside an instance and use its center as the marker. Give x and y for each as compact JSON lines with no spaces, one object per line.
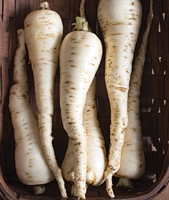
{"x":96,"y":153}
{"x":31,"y":166}
{"x":80,"y":56}
{"x":132,"y":158}
{"x":120,"y":22}
{"x":43,"y":35}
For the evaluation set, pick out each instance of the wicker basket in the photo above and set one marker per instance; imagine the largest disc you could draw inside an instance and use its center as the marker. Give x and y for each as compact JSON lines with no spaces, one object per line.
{"x":154,"y":100}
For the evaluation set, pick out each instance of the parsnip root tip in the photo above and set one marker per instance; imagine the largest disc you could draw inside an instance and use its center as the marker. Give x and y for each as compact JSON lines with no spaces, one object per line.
{"x":125,"y":183}
{"x":39,"y":189}
{"x":109,"y":186}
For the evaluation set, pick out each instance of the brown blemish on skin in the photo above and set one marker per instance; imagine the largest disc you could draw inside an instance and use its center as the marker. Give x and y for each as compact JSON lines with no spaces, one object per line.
{"x":121,"y":89}
{"x":72,"y":65}
{"x":73,"y":88}
{"x":72,"y":39}
{"x":117,"y":34}
{"x":132,"y":18}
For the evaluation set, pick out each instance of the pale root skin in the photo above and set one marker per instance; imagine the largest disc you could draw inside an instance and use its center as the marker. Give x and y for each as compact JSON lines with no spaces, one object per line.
{"x":120,"y":24}
{"x":67,"y":165}
{"x":43,"y":35}
{"x":96,"y":153}
{"x":80,"y":56}
{"x":132,"y":158}
{"x":31,"y":166}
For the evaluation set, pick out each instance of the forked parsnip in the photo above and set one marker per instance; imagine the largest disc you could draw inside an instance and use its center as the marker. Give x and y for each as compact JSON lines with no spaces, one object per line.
{"x":43,"y":35}
{"x":31,"y":166}
{"x":96,"y":152}
{"x":80,"y":56}
{"x":132,"y":158}
{"x":120,"y":22}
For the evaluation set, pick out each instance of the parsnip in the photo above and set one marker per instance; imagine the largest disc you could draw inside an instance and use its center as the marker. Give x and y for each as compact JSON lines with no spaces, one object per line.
{"x":96,"y":153}
{"x":80,"y":56}
{"x":120,"y":24}
{"x":31,"y":166}
{"x":43,"y":35}
{"x":132,"y":158}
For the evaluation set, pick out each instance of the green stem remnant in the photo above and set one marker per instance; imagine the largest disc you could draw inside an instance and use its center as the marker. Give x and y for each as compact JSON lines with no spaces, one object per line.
{"x":81,"y":24}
